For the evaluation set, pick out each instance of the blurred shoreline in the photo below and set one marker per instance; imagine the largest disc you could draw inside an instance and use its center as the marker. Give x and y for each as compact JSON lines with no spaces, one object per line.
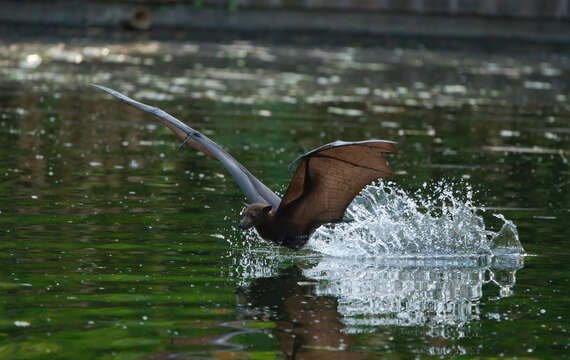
{"x":171,"y":19}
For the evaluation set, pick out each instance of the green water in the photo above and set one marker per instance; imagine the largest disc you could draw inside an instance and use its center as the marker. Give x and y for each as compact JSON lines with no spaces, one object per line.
{"x":117,"y":246}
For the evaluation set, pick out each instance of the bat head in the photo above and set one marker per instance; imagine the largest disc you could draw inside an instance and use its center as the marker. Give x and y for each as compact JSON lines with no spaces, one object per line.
{"x":255,"y":214}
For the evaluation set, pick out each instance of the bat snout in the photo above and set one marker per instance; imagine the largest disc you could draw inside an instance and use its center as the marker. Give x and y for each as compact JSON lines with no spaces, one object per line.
{"x":245,"y":224}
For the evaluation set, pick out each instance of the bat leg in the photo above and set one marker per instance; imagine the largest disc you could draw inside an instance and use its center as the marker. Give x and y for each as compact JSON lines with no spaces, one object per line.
{"x":188,"y":137}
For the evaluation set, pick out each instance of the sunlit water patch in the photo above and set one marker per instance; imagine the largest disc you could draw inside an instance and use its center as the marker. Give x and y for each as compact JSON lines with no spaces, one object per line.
{"x":437,"y":220}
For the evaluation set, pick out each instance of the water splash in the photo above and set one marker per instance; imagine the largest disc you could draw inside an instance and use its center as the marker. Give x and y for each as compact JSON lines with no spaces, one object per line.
{"x":418,"y":260}
{"x":436,"y":220}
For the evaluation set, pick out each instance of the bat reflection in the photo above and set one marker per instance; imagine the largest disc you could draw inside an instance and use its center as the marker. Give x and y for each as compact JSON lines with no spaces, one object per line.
{"x":320,"y":309}
{"x":308,"y":325}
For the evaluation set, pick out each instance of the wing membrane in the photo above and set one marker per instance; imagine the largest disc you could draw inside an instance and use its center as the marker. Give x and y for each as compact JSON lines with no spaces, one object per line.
{"x":255,"y":191}
{"x":328,"y":178}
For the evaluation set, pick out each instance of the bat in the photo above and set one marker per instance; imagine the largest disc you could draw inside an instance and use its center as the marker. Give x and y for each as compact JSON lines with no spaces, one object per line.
{"x":324,"y":183}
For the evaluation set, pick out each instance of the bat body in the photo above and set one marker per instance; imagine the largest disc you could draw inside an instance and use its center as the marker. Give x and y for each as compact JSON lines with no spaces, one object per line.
{"x":323,"y":185}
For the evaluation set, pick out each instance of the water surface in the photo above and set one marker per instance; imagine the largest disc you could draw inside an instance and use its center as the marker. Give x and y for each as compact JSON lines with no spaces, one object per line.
{"x":116,"y":245}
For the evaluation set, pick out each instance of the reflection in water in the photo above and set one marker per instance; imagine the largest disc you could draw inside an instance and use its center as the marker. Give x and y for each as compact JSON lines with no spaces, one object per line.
{"x":308,"y":326}
{"x":409,"y":292}
{"x":318,"y":306}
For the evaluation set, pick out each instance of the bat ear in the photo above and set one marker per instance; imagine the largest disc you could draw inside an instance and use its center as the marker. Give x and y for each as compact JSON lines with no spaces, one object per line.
{"x":267,"y":209}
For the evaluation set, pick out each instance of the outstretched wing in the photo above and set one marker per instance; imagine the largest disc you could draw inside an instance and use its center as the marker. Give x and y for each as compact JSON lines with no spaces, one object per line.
{"x":255,"y":191}
{"x":327,"y":179}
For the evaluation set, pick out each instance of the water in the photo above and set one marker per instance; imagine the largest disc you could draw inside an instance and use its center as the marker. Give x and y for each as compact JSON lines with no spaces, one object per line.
{"x":389,"y":222}
{"x":115,"y":245}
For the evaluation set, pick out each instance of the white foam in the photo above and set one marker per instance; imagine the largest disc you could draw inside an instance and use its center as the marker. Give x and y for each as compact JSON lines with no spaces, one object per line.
{"x":437,"y":220}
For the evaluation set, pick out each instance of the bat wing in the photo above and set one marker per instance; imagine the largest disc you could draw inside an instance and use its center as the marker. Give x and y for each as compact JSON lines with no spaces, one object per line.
{"x":255,"y":191}
{"x":326,"y":181}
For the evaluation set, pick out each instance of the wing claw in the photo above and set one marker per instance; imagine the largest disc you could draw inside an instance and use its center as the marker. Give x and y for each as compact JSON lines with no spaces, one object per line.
{"x":188,"y":137}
